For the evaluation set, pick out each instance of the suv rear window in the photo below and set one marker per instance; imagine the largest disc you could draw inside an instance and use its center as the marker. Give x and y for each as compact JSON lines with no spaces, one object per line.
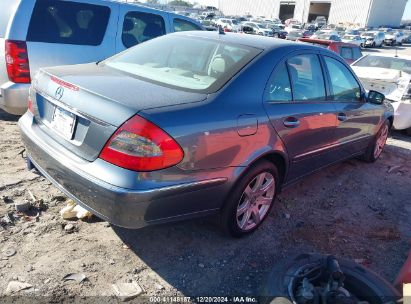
{"x":6,"y":9}
{"x":68,"y":23}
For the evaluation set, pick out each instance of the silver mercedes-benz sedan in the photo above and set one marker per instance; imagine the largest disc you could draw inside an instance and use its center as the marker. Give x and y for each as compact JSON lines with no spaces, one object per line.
{"x":198,"y":123}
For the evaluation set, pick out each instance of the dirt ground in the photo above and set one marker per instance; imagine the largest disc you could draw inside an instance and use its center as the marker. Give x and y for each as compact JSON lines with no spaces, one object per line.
{"x":352,"y":209}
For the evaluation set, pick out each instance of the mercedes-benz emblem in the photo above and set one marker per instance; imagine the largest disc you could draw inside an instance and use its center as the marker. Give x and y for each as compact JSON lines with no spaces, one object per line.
{"x":59,"y":93}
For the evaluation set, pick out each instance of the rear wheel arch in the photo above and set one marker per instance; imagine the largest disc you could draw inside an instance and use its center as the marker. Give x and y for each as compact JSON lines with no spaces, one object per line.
{"x":277,"y":158}
{"x":391,"y":120}
{"x":279,"y":161}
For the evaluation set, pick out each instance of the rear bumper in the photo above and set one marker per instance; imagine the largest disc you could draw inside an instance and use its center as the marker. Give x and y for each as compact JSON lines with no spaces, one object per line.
{"x":129,"y":208}
{"x":13,"y":97}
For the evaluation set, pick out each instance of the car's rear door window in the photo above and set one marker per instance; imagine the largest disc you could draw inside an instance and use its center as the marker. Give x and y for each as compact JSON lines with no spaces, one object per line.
{"x":344,"y":86}
{"x":307,"y":78}
{"x":181,"y":25}
{"x":139,"y":27}
{"x":68,"y":22}
{"x":279,"y":86}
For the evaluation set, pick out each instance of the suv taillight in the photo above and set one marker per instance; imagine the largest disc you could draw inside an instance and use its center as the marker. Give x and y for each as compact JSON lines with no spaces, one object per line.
{"x":17,"y":61}
{"x":140,"y":145}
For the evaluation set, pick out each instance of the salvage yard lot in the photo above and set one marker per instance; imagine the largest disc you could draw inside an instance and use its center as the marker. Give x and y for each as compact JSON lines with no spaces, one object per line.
{"x":352,"y":209}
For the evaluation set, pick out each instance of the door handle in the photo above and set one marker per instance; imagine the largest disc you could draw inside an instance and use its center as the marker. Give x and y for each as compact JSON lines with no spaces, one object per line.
{"x":342,"y":117}
{"x":291,"y":122}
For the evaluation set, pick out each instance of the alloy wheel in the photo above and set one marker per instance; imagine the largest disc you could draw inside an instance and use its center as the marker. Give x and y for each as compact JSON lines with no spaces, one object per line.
{"x":255,"y":202}
{"x":381,"y":140}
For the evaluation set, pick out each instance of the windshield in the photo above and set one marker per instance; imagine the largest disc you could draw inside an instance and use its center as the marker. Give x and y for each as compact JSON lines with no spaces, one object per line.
{"x":385,"y":62}
{"x":188,"y":63}
{"x":348,"y":37}
{"x":369,"y":34}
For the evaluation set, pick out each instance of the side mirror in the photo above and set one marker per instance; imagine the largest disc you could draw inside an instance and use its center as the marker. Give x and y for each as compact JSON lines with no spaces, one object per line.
{"x":375,"y":97}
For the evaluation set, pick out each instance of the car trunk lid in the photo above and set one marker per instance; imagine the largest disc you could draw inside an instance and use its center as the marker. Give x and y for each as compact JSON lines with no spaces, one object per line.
{"x":82,"y":106}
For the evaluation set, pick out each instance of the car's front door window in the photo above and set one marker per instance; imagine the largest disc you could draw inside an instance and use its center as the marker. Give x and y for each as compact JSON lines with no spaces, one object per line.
{"x":307,"y":78}
{"x":344,"y":86}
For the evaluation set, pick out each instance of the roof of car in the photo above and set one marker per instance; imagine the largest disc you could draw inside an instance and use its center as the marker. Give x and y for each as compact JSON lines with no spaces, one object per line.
{"x":326,"y":42}
{"x":257,"y":41}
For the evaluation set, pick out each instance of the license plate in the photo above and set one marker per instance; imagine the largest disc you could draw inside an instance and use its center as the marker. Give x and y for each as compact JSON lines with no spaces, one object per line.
{"x":63,"y":122}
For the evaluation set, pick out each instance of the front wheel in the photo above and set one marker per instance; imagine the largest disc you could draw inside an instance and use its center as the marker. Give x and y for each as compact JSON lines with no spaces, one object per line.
{"x":376,"y":147}
{"x":251,"y":200}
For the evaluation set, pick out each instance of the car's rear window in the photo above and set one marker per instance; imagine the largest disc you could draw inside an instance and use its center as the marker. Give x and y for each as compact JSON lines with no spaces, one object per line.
{"x":7,"y":8}
{"x":182,"y":62}
{"x":68,"y":22}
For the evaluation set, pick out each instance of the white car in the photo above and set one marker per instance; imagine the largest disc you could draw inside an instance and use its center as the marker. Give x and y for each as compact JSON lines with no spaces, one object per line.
{"x":229,"y":24}
{"x":391,"y":76}
{"x":353,"y":39}
{"x":293,"y":28}
{"x":260,"y":29}
{"x":324,"y":32}
{"x":373,"y":38}
{"x":394,"y":38}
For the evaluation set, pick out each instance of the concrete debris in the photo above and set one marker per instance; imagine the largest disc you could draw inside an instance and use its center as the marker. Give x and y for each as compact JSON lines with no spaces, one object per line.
{"x":127,"y":291}
{"x":69,"y":228}
{"x":72,"y":210}
{"x":16,"y":286}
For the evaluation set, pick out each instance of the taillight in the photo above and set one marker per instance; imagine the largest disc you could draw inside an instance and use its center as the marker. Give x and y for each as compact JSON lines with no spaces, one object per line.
{"x":17,"y":61}
{"x":140,"y":145}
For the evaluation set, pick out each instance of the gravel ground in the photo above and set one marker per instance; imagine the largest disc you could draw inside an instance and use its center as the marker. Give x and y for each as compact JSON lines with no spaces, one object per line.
{"x":352,"y":209}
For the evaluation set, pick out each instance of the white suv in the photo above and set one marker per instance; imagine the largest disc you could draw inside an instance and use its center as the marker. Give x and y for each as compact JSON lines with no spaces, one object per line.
{"x":373,"y":39}
{"x":43,"y":33}
{"x":260,"y":29}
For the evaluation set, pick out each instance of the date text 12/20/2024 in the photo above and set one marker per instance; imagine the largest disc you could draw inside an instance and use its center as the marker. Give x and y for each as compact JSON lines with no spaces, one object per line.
{"x":203,"y":299}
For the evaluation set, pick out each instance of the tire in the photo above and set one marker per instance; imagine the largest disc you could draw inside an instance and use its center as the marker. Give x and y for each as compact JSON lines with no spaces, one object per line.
{"x":371,"y":155}
{"x":247,"y":195}
{"x":358,"y":279}
{"x":373,"y":44}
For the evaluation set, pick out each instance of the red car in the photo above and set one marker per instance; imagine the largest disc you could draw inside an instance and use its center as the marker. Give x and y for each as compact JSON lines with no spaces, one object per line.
{"x":350,"y":52}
